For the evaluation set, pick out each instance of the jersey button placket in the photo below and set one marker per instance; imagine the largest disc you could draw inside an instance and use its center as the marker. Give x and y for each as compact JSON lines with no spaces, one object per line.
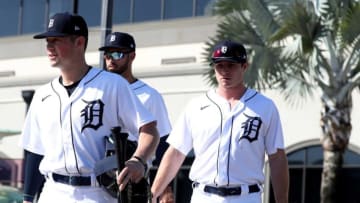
{"x":224,"y":149}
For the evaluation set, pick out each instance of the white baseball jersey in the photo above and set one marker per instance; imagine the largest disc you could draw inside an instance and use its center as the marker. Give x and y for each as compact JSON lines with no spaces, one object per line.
{"x":69,"y":131}
{"x":154,"y":103}
{"x":229,"y":144}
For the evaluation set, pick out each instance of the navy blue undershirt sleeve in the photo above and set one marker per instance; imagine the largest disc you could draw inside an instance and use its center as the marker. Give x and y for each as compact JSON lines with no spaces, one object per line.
{"x":33,"y":179}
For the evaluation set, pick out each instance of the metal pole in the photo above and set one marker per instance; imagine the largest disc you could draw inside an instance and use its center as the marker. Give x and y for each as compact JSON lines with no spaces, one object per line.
{"x":75,"y":6}
{"x":106,"y":26}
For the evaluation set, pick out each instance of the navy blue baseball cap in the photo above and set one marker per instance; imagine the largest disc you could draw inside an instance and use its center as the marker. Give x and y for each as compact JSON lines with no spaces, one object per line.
{"x":119,"y":40}
{"x":229,"y":51}
{"x":65,"y":24}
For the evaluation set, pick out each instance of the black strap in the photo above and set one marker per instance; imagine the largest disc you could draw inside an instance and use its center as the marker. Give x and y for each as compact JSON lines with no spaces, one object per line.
{"x":225,"y":191}
{"x":222,"y":191}
{"x":254,"y":188}
{"x":72,"y":180}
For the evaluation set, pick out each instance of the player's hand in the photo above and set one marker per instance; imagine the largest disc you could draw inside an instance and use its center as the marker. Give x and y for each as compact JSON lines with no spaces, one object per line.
{"x":134,"y":171}
{"x":167,"y":196}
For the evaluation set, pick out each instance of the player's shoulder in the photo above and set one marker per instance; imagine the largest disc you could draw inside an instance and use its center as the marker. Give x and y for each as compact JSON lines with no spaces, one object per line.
{"x":97,"y":75}
{"x":49,"y":86}
{"x":199,"y":101}
{"x":45,"y":90}
{"x":98,"y":72}
{"x":141,"y":86}
{"x":256,"y":97}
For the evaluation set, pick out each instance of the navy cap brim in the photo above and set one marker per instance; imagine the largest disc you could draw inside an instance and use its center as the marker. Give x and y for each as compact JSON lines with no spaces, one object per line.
{"x":104,"y":48}
{"x":50,"y":34}
{"x":228,"y":59}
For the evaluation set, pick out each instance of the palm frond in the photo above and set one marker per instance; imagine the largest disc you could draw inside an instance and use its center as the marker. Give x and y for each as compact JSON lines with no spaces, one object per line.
{"x":349,"y":28}
{"x":262,"y":18}
{"x":351,"y":59}
{"x":300,"y":21}
{"x":264,"y":64}
{"x":296,"y":91}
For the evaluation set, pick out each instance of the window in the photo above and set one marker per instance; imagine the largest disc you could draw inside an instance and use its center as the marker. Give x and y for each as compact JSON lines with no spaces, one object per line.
{"x":9,"y":20}
{"x":178,"y":9}
{"x":33,"y":19}
{"x":204,"y":7}
{"x":31,"y":16}
{"x":91,"y":11}
{"x":56,"y":6}
{"x":121,"y":11}
{"x":305,"y":169}
{"x":145,"y":10}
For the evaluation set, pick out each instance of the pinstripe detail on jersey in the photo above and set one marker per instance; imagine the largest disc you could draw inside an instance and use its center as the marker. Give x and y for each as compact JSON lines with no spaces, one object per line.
{"x":221,"y":124}
{"x":72,"y":140}
{"x":228,"y":163}
{"x":139,"y":87}
{"x":252,"y":96}
{"x":44,"y":98}
{"x":60,"y":121}
{"x":58,"y":95}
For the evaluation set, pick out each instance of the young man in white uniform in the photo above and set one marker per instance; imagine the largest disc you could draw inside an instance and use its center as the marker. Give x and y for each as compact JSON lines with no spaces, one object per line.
{"x":230,"y":129}
{"x":119,"y":54}
{"x":70,"y":117}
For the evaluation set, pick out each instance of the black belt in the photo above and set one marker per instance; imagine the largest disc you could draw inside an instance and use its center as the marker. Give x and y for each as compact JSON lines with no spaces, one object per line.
{"x":224,"y":191}
{"x":72,"y":180}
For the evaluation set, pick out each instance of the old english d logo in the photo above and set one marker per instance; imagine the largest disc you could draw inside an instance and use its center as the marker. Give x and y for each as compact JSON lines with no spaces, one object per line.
{"x":92,"y":114}
{"x":251,"y":128}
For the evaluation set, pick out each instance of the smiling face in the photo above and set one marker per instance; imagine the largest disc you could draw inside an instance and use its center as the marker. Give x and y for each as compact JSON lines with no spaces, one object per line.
{"x":62,"y":51}
{"x":230,"y":75}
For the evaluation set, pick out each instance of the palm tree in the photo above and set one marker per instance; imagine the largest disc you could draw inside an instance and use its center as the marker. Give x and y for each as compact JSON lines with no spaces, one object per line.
{"x":300,"y":47}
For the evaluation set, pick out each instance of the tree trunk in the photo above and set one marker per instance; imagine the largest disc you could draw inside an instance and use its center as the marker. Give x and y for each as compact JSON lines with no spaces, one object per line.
{"x":336,"y":127}
{"x":331,"y":167}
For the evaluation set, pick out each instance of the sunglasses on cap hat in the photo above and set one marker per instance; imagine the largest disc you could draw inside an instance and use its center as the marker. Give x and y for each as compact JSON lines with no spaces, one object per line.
{"x":115,"y":55}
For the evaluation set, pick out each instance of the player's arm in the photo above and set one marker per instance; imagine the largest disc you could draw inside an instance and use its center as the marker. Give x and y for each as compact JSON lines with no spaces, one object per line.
{"x":279,"y":172}
{"x":135,"y":167}
{"x":148,"y":141}
{"x":168,"y":194}
{"x":169,"y":166}
{"x":33,"y":179}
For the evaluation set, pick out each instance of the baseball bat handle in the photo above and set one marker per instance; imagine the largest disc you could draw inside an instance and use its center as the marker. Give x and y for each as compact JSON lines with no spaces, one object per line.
{"x":120,"y":151}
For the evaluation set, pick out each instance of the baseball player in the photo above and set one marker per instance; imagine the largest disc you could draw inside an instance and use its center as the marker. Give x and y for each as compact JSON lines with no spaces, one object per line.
{"x":119,"y":54}
{"x":70,"y":117}
{"x":230,"y":129}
